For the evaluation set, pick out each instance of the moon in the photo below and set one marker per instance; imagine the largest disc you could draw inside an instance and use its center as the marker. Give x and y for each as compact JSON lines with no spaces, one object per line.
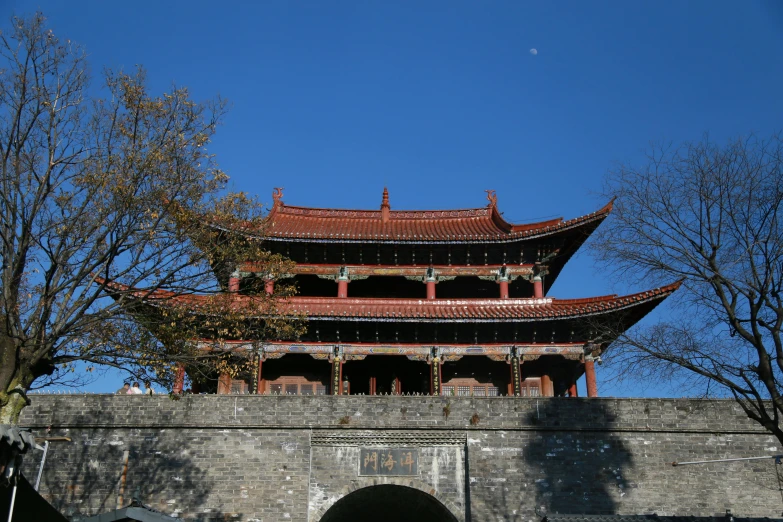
{"x":534,"y":51}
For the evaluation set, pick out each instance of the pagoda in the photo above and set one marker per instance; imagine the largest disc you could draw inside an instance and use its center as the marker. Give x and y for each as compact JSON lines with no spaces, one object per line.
{"x":441,"y":302}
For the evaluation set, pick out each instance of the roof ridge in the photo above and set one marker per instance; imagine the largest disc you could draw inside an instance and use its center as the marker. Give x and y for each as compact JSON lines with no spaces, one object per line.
{"x":477,"y":224}
{"x":320,"y":211}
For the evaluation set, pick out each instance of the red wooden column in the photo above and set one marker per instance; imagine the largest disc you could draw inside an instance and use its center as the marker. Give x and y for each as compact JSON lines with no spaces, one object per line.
{"x":233,"y":283}
{"x":179,"y":379}
{"x":430,"y":279}
{"x":341,"y":376}
{"x":342,"y":282}
{"x":538,"y":286}
{"x":342,"y":288}
{"x":572,"y":391}
{"x":502,"y":280}
{"x":592,"y":387}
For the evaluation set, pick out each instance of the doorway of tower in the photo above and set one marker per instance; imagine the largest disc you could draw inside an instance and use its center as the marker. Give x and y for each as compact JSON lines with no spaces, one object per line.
{"x":294,"y":374}
{"x":388,"y":503}
{"x":477,"y":376}
{"x":386,"y":375}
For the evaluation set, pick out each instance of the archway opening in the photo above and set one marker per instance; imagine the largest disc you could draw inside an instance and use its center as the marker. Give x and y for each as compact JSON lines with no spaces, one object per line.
{"x":388,"y":503}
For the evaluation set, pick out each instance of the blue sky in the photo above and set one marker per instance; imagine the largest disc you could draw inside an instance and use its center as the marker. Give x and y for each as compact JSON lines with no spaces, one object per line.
{"x":441,"y":100}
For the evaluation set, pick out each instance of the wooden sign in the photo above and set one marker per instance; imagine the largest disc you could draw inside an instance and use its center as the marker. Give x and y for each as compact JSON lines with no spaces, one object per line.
{"x":388,"y":461}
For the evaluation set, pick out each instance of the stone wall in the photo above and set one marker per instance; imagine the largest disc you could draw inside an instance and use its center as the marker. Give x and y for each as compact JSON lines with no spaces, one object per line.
{"x":264,"y":458}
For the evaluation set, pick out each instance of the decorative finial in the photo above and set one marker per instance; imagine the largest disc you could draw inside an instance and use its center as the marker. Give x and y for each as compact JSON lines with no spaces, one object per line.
{"x":277,"y":195}
{"x":493,"y":199}
{"x":385,"y":207}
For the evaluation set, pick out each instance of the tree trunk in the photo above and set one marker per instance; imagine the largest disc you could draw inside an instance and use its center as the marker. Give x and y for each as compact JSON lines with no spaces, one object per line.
{"x":11,"y":405}
{"x":13,"y":385}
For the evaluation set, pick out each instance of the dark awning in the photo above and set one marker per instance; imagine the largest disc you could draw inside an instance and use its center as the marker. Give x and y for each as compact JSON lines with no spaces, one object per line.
{"x":136,"y":512}
{"x":28,"y":506}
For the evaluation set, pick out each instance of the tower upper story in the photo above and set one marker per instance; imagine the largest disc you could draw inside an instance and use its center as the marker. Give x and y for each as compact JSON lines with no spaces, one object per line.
{"x":389,"y":253}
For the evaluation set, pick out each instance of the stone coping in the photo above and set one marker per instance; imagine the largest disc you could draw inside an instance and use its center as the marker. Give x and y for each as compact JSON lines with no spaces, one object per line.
{"x":387,"y":412}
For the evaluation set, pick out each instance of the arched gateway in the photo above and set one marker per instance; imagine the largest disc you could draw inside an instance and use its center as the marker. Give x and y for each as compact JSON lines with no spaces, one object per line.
{"x":388,"y":503}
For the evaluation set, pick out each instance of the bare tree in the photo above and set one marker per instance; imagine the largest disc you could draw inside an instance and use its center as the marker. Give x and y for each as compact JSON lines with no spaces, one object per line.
{"x":101,"y":194}
{"x":710,"y":215}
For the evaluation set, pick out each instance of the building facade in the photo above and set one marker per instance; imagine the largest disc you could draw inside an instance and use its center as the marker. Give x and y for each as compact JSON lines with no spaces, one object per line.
{"x":445,"y":302}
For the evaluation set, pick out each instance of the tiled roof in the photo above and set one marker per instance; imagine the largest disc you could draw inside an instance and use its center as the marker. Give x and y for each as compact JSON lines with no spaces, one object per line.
{"x":418,"y":310}
{"x":475,"y":310}
{"x":484,"y":224}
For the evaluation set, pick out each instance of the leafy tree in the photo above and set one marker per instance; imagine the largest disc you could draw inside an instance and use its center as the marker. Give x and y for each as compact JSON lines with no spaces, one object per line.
{"x":106,"y":195}
{"x":710,"y":215}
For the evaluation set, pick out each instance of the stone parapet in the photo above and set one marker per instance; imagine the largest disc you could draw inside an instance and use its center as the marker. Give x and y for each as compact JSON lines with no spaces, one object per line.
{"x":290,"y":458}
{"x":372,"y":412}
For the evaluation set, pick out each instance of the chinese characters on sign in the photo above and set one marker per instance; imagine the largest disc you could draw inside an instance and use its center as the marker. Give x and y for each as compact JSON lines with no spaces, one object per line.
{"x":386,"y":461}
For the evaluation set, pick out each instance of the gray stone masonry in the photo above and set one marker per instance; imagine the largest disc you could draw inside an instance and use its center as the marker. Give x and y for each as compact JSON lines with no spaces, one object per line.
{"x":289,"y":458}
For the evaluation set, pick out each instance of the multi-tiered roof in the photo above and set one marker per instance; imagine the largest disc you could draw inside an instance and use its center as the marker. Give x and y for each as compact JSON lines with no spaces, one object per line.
{"x":441,"y":301}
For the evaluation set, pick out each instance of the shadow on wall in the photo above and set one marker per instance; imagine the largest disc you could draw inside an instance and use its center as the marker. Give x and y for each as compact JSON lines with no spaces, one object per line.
{"x":575,"y":463}
{"x":98,"y":471}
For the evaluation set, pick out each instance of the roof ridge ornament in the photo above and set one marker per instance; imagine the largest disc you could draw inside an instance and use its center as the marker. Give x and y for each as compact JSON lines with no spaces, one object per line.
{"x":385,"y":207}
{"x":492,"y":198}
{"x":277,"y":195}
